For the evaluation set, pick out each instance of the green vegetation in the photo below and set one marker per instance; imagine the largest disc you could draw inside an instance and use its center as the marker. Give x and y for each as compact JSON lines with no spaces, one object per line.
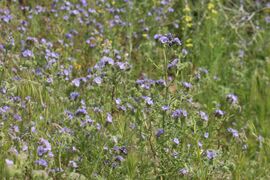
{"x":131,"y":89}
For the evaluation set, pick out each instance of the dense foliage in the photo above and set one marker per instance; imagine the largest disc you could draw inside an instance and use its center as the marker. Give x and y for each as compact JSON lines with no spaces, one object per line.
{"x":135,"y":89}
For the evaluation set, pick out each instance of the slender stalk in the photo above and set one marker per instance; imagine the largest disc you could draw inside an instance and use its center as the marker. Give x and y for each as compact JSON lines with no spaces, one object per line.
{"x":165,"y":70}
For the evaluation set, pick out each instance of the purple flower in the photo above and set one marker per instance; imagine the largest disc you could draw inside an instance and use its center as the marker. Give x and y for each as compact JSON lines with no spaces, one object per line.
{"x":159,"y":132}
{"x":68,"y":35}
{"x":161,"y":82}
{"x":6,"y":18}
{"x":178,"y":113}
{"x":72,"y":164}
{"x":183,"y":171}
{"x":122,"y":108}
{"x":200,"y":144}
{"x":50,"y":154}
{"x":173,"y":63}
{"x":4,"y":109}
{"x":41,"y":150}
{"x":168,"y":39}
{"x":17,"y":117}
{"x":177,"y":41}
{"x":88,"y":121}
{"x":119,"y":158}
{"x":81,"y":111}
{"x":170,"y":10}
{"x":104,"y":61}
{"x":206,"y":135}
{"x":163,"y":39}
{"x":98,"y":80}
{"x":219,"y":113}
{"x":84,"y":3}
{"x":74,"y":95}
{"x":109,"y":118}
{"x":233,"y":99}
{"x":91,"y":42}
{"x":234,"y":132}
{"x":24,"y":147}
{"x":41,"y":162}
{"x":187,"y":85}
{"x":9,"y":162}
{"x":176,"y":141}
{"x":124,"y":150}
{"x":76,"y":82}
{"x":27,"y":53}
{"x":157,"y":36}
{"x":165,"y":108}
{"x":123,"y":65}
{"x":118,"y":101}
{"x":148,"y":100}
{"x":203,"y":115}
{"x":211,"y":154}
{"x":75,"y":12}
{"x":44,"y":147}
{"x":3,"y":90}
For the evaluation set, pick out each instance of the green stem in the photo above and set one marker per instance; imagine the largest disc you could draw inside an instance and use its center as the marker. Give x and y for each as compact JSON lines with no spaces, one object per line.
{"x":165,"y":70}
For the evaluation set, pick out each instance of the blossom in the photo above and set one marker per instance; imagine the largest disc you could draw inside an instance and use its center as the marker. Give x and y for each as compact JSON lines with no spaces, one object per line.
{"x":176,"y":141}
{"x":203,"y":115}
{"x":148,"y":100}
{"x":98,"y":80}
{"x":91,"y":42}
{"x":109,"y":118}
{"x":159,"y":132}
{"x":173,"y":63}
{"x":44,"y":147}
{"x":178,"y":113}
{"x":183,"y":171}
{"x":219,"y":113}
{"x":74,"y":95}
{"x":233,"y":131}
{"x":168,"y":39}
{"x":76,"y":82}
{"x":27,"y":53}
{"x":41,"y":162}
{"x":119,"y":158}
{"x":72,"y":164}
{"x":81,"y":111}
{"x":165,"y":108}
{"x":211,"y":154}
{"x":206,"y":135}
{"x":233,"y":99}
{"x":187,"y":85}
{"x":9,"y":162}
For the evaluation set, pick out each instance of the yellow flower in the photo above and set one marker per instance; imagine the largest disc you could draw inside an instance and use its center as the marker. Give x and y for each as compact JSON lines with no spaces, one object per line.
{"x":214,"y":11}
{"x":144,"y":35}
{"x":77,"y":66}
{"x":189,"y":25}
{"x":188,"y":18}
{"x":188,"y":40}
{"x":189,"y":45}
{"x":210,"y":6}
{"x":186,"y":9}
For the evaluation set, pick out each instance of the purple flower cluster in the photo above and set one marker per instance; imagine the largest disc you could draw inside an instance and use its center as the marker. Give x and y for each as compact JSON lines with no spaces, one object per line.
{"x":179,"y":113}
{"x":168,"y":39}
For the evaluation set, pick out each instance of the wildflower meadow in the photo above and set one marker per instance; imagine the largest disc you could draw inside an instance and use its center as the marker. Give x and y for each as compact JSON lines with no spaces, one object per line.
{"x":134,"y":89}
